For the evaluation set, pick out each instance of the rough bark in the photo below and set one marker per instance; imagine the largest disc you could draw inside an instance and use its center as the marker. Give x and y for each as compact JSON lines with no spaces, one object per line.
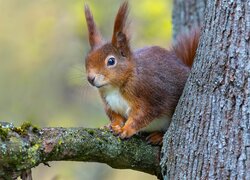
{"x":22,"y":148}
{"x":188,"y":14}
{"x":209,"y":137}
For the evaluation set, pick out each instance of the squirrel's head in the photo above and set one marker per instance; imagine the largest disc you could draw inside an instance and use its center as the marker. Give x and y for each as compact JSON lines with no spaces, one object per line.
{"x":109,"y":63}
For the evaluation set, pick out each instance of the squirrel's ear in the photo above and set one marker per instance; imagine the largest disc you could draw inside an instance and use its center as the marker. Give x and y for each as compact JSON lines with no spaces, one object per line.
{"x":95,"y":38}
{"x":120,"y":37}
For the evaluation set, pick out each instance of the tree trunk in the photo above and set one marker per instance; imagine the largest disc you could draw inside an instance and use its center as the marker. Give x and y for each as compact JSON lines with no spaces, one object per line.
{"x":209,"y":137}
{"x":187,"y":14}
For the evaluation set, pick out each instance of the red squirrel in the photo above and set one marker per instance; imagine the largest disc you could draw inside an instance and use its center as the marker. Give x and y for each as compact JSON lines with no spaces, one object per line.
{"x":140,"y":89}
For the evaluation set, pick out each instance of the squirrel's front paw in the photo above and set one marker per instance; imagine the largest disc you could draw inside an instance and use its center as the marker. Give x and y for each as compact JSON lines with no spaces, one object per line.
{"x":127,"y":132}
{"x":116,"y":129}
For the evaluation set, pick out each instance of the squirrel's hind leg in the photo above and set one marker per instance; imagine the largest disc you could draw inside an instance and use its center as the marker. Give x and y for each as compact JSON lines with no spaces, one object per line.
{"x":155,"y":138}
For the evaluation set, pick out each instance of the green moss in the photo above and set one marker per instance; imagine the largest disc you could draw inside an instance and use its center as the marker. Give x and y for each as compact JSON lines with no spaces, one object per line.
{"x":60,"y":142}
{"x":28,"y":125}
{"x":32,"y":154}
{"x":3,"y":133}
{"x":25,"y":127}
{"x":20,"y":131}
{"x":35,"y":129}
{"x":90,"y":131}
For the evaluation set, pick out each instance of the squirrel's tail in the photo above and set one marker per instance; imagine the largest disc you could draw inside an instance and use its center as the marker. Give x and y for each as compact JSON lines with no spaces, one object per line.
{"x":186,"y":46}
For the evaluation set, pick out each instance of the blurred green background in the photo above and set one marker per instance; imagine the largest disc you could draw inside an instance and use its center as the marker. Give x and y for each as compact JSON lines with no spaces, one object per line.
{"x":42,"y":48}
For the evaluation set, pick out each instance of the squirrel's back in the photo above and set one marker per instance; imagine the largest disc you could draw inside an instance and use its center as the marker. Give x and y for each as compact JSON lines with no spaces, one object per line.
{"x":163,"y":73}
{"x":158,"y":79}
{"x":180,"y":56}
{"x":161,"y":65}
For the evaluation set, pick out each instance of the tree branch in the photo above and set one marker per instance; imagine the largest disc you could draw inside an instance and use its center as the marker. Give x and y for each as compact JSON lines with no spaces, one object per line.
{"x":22,"y":148}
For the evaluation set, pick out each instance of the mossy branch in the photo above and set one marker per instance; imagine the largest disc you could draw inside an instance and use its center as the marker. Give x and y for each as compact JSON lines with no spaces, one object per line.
{"x":22,"y":148}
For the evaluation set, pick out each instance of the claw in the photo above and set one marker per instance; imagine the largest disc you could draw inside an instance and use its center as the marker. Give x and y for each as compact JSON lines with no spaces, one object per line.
{"x":123,"y":135}
{"x":155,"y":138}
{"x":127,"y":132}
{"x":116,"y":129}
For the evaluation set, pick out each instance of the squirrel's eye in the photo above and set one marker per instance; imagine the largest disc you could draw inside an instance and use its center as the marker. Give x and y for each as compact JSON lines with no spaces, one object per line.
{"x":111,"y":61}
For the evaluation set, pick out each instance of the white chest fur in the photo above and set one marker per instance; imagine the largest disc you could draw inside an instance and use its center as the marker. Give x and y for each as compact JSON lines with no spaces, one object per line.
{"x":117,"y":102}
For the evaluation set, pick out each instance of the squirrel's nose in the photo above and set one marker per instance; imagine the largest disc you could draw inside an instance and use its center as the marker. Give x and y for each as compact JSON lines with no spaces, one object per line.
{"x":91,"y":80}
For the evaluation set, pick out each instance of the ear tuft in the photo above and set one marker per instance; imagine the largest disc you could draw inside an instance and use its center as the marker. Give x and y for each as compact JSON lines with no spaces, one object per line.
{"x":95,"y":38}
{"x":120,"y":36}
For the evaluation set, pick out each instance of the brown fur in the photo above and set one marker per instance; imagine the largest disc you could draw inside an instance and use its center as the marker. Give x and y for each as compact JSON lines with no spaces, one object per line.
{"x":186,"y":45}
{"x":120,"y":38}
{"x":155,"y":138}
{"x":120,"y":21}
{"x":95,"y":38}
{"x":151,"y":79}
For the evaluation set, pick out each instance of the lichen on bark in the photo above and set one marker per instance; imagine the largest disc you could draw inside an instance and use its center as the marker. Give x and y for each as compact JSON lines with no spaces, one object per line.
{"x":22,"y":148}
